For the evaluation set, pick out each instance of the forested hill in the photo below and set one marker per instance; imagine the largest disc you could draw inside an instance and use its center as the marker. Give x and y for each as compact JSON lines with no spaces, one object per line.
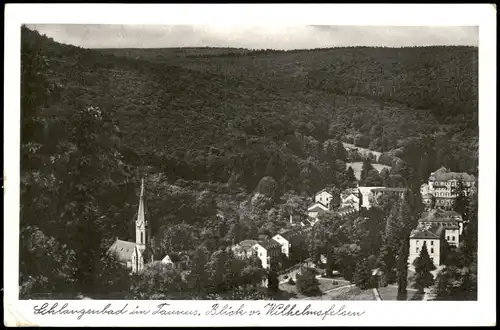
{"x":223,"y":110}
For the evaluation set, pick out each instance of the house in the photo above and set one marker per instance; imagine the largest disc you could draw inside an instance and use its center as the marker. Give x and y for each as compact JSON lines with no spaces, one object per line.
{"x":175,"y":260}
{"x":323,"y":197}
{"x":442,"y":184}
{"x":350,"y":198}
{"x":432,"y":237}
{"x":267,"y":251}
{"x":289,"y":239}
{"x":244,"y":249}
{"x":134,"y":255}
{"x":451,"y":221}
{"x":316,"y":209}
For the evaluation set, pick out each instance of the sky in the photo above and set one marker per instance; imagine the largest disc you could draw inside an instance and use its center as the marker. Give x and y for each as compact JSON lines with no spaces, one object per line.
{"x":255,"y":37}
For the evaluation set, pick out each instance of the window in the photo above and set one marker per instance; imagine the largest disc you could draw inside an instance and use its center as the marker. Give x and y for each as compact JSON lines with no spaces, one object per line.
{"x":418,"y":249}
{"x":260,"y":254}
{"x":452,"y":238}
{"x":447,"y":238}
{"x":418,"y":241}
{"x":432,"y":250}
{"x":142,"y":238}
{"x":432,"y":242}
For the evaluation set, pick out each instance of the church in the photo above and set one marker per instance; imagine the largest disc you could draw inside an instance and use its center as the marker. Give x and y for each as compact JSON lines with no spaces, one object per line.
{"x":134,"y":255}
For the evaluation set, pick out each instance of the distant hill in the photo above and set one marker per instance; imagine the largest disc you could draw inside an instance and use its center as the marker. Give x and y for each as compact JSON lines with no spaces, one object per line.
{"x":229,"y":105}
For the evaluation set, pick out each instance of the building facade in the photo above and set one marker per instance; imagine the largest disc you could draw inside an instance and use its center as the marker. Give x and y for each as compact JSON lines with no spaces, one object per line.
{"x":432,"y":238}
{"x":268,"y":251}
{"x":324,"y":197}
{"x":442,"y":186}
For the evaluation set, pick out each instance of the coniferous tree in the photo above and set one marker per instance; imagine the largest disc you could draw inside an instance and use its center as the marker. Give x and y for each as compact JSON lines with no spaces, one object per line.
{"x":423,"y":267}
{"x":363,"y":274}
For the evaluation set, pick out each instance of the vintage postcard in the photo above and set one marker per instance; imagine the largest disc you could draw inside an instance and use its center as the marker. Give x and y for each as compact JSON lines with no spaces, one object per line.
{"x":249,"y":165}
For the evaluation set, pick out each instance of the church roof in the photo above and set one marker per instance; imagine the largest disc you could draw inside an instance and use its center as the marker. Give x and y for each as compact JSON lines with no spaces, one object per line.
{"x":427,"y":233}
{"x":124,"y":250}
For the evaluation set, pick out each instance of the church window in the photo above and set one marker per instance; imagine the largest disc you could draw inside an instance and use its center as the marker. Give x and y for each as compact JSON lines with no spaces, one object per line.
{"x":142,"y":238}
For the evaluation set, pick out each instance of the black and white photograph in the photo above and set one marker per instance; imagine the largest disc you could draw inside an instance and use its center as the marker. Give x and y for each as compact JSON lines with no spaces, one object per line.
{"x":229,"y":162}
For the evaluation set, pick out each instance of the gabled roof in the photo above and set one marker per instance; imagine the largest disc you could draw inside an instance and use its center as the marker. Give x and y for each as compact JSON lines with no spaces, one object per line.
{"x":323,"y":190}
{"x":124,"y":250}
{"x":317,"y":207}
{"x":269,"y":244}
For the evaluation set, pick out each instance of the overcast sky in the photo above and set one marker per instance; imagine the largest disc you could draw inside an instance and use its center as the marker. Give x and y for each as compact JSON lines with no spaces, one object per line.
{"x":255,"y":37}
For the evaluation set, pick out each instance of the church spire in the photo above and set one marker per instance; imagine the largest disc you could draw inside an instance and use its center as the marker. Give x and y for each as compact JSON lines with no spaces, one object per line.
{"x":141,"y":223}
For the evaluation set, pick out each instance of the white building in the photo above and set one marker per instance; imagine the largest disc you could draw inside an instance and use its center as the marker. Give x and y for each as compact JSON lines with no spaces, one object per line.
{"x":324,"y":197}
{"x":267,"y":251}
{"x":288,"y":240}
{"x":432,"y":237}
{"x":451,"y":221}
{"x":350,"y":198}
{"x":442,"y":184}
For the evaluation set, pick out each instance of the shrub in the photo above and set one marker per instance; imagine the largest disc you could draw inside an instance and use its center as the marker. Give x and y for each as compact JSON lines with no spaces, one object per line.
{"x":334,"y":282}
{"x":307,"y":283}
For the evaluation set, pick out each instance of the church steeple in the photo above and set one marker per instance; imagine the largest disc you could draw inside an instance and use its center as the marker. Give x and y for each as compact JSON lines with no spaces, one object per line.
{"x":141,"y":222}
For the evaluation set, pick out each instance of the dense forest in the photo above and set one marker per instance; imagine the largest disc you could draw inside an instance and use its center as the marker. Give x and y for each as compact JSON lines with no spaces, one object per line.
{"x":230,"y":142}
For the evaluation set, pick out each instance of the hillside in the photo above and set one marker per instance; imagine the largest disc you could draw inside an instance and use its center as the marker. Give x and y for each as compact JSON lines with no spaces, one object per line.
{"x":195,"y":103}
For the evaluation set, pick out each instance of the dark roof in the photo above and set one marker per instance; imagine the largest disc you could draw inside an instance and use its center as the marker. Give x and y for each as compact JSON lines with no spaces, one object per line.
{"x":269,"y":244}
{"x":345,"y":209}
{"x":291,"y":234}
{"x":174,"y":257}
{"x":124,"y":250}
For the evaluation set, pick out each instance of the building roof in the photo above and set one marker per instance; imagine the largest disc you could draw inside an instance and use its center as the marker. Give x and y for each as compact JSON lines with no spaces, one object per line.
{"x":323,"y":190}
{"x":444,"y":174}
{"x":123,"y":249}
{"x":399,"y":190}
{"x":291,"y":234}
{"x":433,"y":232}
{"x":174,"y":257}
{"x":269,"y":244}
{"x":317,"y":207}
{"x":247,"y":244}
{"x":345,"y":209}
{"x":440,"y":216}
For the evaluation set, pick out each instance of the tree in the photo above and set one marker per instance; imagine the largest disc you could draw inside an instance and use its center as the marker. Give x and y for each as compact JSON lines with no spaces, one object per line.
{"x":365,"y":169}
{"x":158,"y":280}
{"x":423,"y":267}
{"x":350,"y":177}
{"x":340,"y":152}
{"x":372,"y":179}
{"x":363,"y":275}
{"x":307,"y":283}
{"x":461,"y":201}
{"x":268,"y":187}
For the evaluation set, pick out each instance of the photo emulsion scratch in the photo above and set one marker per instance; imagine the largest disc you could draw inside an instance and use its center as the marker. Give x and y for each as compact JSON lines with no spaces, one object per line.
{"x":305,"y":167}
